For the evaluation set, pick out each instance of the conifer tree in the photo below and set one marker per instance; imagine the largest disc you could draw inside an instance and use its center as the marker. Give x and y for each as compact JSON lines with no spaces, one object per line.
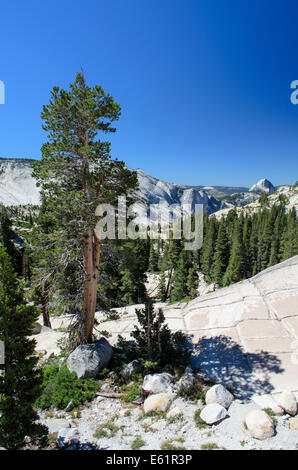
{"x":20,"y":386}
{"x":289,"y":242}
{"x":180,"y":289}
{"x":77,"y":174}
{"x":236,"y":266}
{"x":161,"y":291}
{"x":221,"y":254}
{"x":192,"y":282}
{"x":209,"y":240}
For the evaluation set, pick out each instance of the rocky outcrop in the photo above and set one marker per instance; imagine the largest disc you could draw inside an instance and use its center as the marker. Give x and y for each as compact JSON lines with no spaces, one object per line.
{"x":244,"y":336}
{"x":88,"y":360}
{"x":263,"y":185}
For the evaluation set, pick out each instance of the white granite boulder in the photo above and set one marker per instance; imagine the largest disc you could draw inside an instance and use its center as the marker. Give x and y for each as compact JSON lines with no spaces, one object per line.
{"x":213,"y":413}
{"x":157,"y":383}
{"x":259,"y":424}
{"x":287,"y":401}
{"x":219,"y":394}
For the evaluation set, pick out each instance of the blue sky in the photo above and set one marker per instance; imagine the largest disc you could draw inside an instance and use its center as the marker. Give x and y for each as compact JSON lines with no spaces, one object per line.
{"x":204,"y":85}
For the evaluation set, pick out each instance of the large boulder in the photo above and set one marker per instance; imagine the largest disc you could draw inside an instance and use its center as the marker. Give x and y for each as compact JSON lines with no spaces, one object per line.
{"x":259,"y":424}
{"x":219,"y":394}
{"x":157,"y":383}
{"x":87,"y":360}
{"x":158,"y":402}
{"x":213,"y":413}
{"x":134,"y":367}
{"x":287,"y":401}
{"x":266,"y":401}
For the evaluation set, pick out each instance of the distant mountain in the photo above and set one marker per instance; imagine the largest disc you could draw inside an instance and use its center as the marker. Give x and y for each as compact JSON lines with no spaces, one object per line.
{"x":263,"y":186}
{"x":18,"y":187}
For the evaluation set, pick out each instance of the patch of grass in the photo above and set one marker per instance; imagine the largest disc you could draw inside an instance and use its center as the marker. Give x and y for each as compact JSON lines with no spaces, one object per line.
{"x":127,"y":413}
{"x":199,"y":422}
{"x":271,"y":414}
{"x":102,"y":431}
{"x":176,"y":418}
{"x":210,"y":446}
{"x":137,"y":443}
{"x":156,"y":414}
{"x":245,"y":425}
{"x":131,"y":392}
{"x":147,"y":427}
{"x":168,"y":445}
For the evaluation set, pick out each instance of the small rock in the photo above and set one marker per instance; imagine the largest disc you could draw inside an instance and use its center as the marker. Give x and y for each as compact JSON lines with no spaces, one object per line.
{"x":220,"y":395}
{"x":158,"y":402}
{"x":176,"y":411}
{"x":159,"y":426}
{"x":294,"y":423}
{"x":288,"y":402}
{"x":105,"y":388}
{"x":213,"y":413}
{"x":259,"y":424}
{"x":134,"y":367}
{"x":157,"y":383}
{"x":188,"y":370}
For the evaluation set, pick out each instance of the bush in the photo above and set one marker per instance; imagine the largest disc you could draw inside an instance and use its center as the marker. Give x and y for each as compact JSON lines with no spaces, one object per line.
{"x":60,"y":386}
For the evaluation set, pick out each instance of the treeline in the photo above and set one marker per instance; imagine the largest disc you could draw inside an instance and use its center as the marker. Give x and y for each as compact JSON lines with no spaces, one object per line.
{"x":234,"y":248}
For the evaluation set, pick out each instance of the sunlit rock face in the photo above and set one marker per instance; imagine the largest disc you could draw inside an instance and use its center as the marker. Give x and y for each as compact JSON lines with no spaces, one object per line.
{"x":18,"y":187}
{"x":16,"y":183}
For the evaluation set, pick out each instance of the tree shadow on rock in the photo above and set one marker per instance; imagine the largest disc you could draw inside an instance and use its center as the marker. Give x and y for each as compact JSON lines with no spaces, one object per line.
{"x":223,"y":360}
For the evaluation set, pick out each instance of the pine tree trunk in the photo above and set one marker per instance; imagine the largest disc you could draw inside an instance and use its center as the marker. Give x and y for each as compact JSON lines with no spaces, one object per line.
{"x":91,"y":262}
{"x":46,"y":316}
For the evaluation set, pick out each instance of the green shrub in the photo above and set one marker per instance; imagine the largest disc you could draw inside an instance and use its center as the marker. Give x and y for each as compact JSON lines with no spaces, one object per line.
{"x":60,"y":386}
{"x":131,"y":392}
{"x":154,"y":344}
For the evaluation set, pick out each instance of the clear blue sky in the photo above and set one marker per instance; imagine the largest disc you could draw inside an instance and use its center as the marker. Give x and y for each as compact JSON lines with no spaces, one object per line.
{"x":204,"y":85}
